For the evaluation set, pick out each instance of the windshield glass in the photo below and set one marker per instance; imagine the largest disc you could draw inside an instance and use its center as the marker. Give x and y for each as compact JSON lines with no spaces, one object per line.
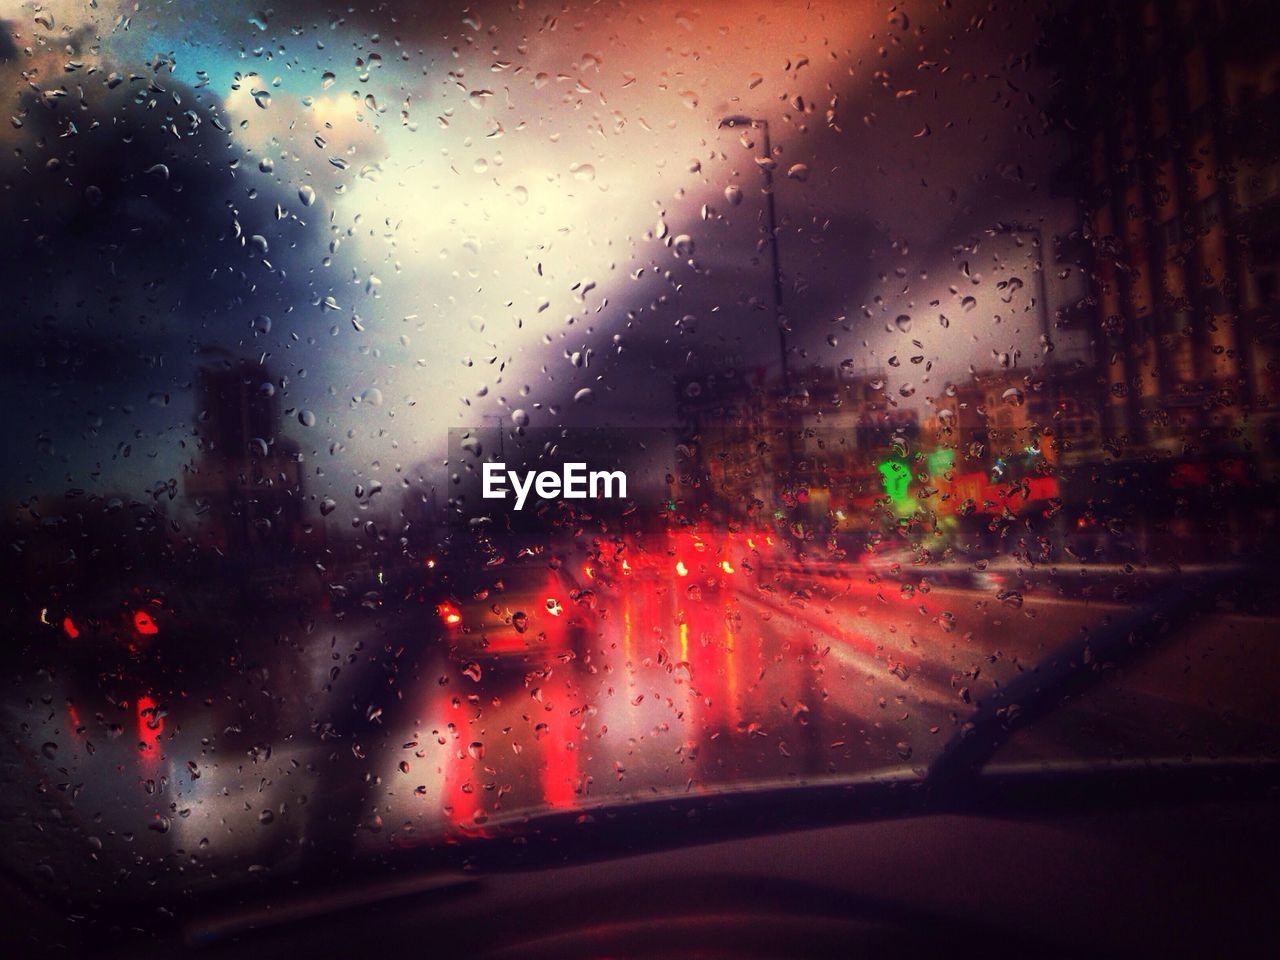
{"x":424,"y":418}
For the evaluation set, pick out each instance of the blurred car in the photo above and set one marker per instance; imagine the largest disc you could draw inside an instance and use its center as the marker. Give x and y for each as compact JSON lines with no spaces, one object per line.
{"x":707,"y":560}
{"x":110,"y":629}
{"x":522,"y":612}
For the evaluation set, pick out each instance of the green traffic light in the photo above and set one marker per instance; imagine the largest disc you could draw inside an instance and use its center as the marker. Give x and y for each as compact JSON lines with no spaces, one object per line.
{"x":897,"y":479}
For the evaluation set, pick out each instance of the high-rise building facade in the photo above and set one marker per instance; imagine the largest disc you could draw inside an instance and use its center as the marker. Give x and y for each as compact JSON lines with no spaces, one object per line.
{"x":1170,"y":105}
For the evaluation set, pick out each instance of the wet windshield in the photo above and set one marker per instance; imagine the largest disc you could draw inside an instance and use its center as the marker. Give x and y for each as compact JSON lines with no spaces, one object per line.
{"x":421,"y":419}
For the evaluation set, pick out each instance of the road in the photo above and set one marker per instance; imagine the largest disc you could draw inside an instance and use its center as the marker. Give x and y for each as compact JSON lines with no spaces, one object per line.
{"x":327,"y":721}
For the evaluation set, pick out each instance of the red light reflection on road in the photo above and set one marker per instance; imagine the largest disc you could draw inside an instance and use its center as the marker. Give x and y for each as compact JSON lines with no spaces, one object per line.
{"x":730,"y":667}
{"x":150,"y":726}
{"x":461,"y":771}
{"x":628,"y":647}
{"x":559,"y":772}
{"x":710,"y":646}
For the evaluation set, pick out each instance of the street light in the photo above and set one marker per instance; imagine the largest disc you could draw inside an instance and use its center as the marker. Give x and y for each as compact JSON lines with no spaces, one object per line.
{"x":771,"y":224}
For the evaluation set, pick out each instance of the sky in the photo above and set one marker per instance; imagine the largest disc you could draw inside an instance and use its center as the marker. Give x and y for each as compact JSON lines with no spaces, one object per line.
{"x":424,"y":219}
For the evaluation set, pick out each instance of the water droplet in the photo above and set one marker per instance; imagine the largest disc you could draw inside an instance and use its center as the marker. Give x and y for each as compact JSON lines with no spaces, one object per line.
{"x":372,"y":396}
{"x":520,"y":418}
{"x":903,"y":323}
{"x":306,"y":418}
{"x":585,"y":395}
{"x":733,"y":194}
{"x":306,"y":194}
{"x":684,"y":245}
{"x":798,"y":171}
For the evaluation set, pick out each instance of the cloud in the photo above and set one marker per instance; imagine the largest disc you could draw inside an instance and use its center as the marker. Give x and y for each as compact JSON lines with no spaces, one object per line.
{"x":505,"y":198}
{"x":139,"y":237}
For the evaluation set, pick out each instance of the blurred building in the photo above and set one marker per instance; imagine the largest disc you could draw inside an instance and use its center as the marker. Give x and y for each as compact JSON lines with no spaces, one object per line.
{"x":1051,"y":411}
{"x":813,"y":444}
{"x":727,"y":451}
{"x":423,"y":509}
{"x":1171,"y":109}
{"x":247,"y":479}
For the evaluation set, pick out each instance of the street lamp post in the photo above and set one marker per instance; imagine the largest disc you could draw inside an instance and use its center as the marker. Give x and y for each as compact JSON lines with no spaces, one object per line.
{"x":1052,"y":387}
{"x":1013,"y":230}
{"x":771,"y":224}
{"x":812,"y":746}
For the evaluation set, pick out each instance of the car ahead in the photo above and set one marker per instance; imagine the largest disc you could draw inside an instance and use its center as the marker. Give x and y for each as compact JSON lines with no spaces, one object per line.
{"x":111,"y":631}
{"x":705,"y":560}
{"x":524,"y":613}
